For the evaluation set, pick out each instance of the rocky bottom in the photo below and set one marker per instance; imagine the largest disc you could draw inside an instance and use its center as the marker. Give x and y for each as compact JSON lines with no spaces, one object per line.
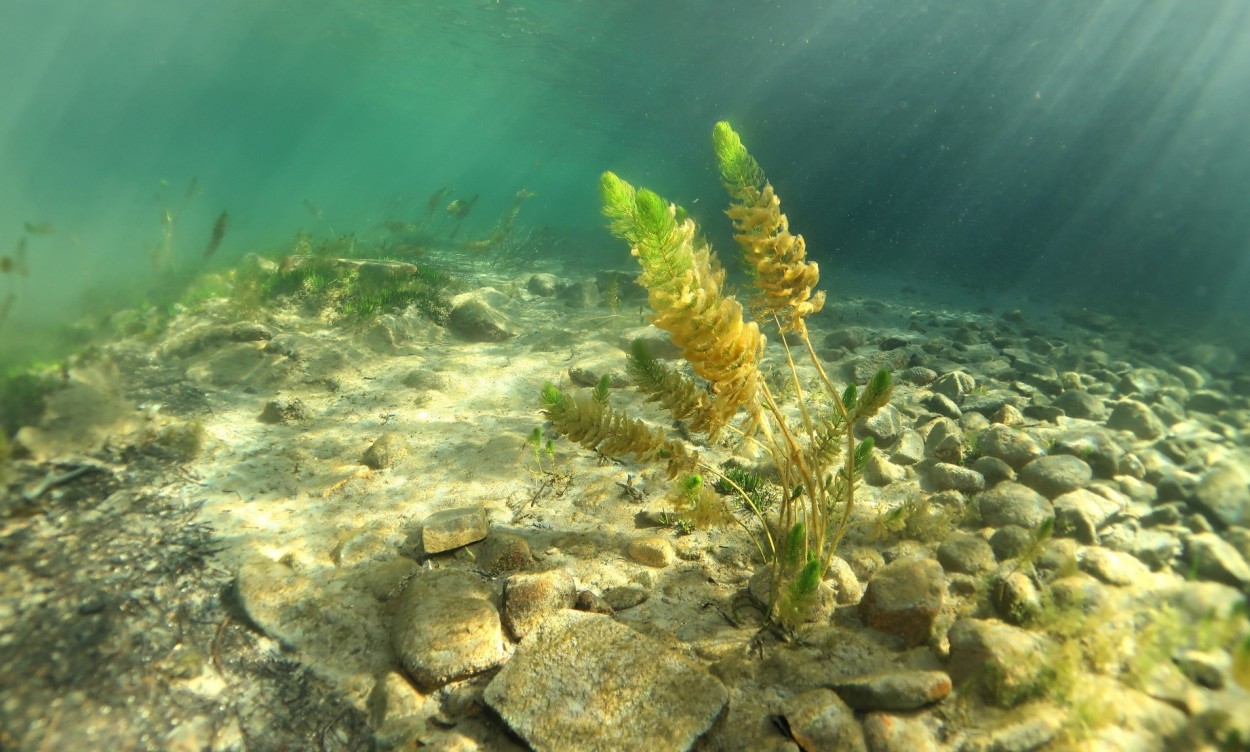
{"x":288,"y":533}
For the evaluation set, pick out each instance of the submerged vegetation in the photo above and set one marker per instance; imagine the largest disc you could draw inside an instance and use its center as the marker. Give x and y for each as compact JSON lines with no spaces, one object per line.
{"x":813,"y":455}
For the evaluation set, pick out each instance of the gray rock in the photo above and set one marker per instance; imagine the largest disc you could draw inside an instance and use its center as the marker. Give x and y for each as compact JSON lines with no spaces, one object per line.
{"x":880,"y":472}
{"x":966,"y":553}
{"x":477,"y":321}
{"x":1010,"y":503}
{"x":903,"y":599}
{"x":1142,"y":382}
{"x":584,"y":294}
{"x":1156,"y":549}
{"x":1010,"y":415}
{"x":1079,"y":591}
{"x":1216,"y":560}
{"x":864,"y":368}
{"x":994,"y":470}
{"x":1079,"y":403}
{"x":944,"y":441}
{"x":1056,"y":475}
{"x":1081,"y":513}
{"x":841,"y":577}
{"x":849,"y":338}
{"x":818,"y":719}
{"x":390,"y":449}
{"x":250,"y":331}
{"x":284,"y":410}
{"x":1223,"y":494}
{"x":445,"y":628}
{"x":916,"y":376}
{"x":1112,"y":567}
{"x":1035,"y":729}
{"x":893,"y":690}
{"x":1137,"y":417}
{"x":1009,"y":541}
{"x":1009,"y":663}
{"x":954,"y":385}
{"x":1016,"y":597}
{"x":909,"y":450}
{"x":1208,"y":401}
{"x":1096,"y":448}
{"x":884,"y":427}
{"x":453,"y":528}
{"x":584,"y":683}
{"x":623,"y":597}
{"x":543,"y":285}
{"x":426,"y":380}
{"x":530,"y":598}
{"x":196,"y":339}
{"x":1010,"y":445}
{"x":942,"y":405}
{"x":948,"y":477}
{"x":656,"y":340}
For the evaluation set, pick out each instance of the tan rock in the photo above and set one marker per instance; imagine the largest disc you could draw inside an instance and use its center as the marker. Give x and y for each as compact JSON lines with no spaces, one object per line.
{"x":446,"y":627}
{"x":652,"y":550}
{"x":453,"y":528}
{"x":585,"y":683}
{"x":530,"y":598}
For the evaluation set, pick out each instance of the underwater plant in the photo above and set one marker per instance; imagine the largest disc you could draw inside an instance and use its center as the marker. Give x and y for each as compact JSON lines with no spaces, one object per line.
{"x":814,"y":455}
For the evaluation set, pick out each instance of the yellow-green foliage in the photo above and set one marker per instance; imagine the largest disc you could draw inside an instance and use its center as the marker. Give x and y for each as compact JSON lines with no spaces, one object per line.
{"x":685,"y":286}
{"x":816,"y":460}
{"x":595,"y":425}
{"x":698,"y":503}
{"x":786,"y":280}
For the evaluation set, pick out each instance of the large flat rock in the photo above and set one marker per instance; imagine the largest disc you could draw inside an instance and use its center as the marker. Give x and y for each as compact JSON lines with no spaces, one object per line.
{"x":583,"y":682}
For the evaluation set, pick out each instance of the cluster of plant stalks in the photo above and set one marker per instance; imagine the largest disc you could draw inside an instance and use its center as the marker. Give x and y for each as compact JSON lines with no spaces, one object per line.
{"x":812,"y":454}
{"x":351,"y":287}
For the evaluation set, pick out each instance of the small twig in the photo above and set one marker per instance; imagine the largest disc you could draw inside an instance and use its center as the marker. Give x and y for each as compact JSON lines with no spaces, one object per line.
{"x":221,"y":628}
{"x":52,"y":480}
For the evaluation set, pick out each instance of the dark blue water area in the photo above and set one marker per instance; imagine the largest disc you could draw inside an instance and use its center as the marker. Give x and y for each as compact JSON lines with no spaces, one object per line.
{"x":1090,"y":154}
